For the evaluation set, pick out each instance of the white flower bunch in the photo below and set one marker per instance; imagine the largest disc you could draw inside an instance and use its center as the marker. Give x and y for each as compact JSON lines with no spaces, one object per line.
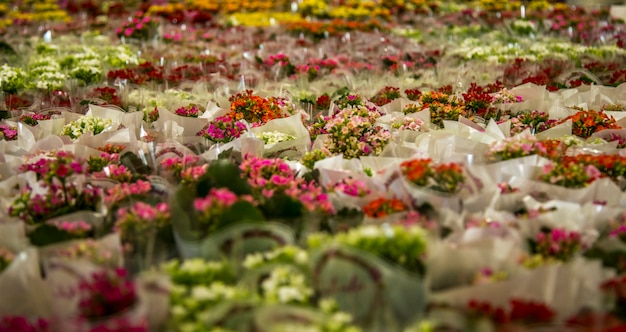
{"x":85,"y":124}
{"x":50,"y":80}
{"x":273,"y":137}
{"x":120,"y":56}
{"x":12,"y":79}
{"x":286,"y":254}
{"x":286,"y":285}
{"x":45,"y":74}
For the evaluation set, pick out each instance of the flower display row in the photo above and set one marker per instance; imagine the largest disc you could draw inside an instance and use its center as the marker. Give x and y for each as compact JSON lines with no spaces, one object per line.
{"x":322,"y":165}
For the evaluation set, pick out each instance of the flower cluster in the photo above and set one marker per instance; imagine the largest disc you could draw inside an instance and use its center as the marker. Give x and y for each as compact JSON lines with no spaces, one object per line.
{"x":270,"y":177}
{"x":585,"y":123}
{"x":141,"y":220}
{"x":285,"y":285}
{"x":382,"y":207}
{"x":254,"y":109}
{"x":6,"y":257}
{"x":284,"y":255}
{"x":535,"y":121}
{"x":123,"y":191}
{"x":385,"y":95}
{"x":107,"y":95}
{"x":23,"y":324}
{"x":407,"y":123}
{"x":515,"y":147}
{"x":487,"y":275}
{"x":175,"y":166}
{"x":558,"y":244}
{"x":445,"y":178}
{"x":78,"y":229}
{"x":32,"y":119}
{"x":209,"y":209}
{"x":519,"y":312}
{"x":89,"y":250}
{"x":401,"y":245}
{"x":273,"y":137}
{"x":351,"y":187}
{"x":569,"y":174}
{"x":139,"y":27}
{"x":223,"y":130}
{"x":7,"y":132}
{"x":311,"y":157}
{"x":12,"y":79}
{"x":611,"y":166}
{"x":85,"y":124}
{"x":442,"y":107}
{"x":62,"y":195}
{"x":505,"y":96}
{"x":190,"y":111}
{"x":106,"y":294}
{"x":353,"y":133}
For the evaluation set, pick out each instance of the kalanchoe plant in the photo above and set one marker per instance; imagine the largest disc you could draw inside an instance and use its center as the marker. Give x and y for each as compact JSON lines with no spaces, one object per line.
{"x":536,"y":121}
{"x":351,"y":187}
{"x":401,"y":245}
{"x":190,"y":111}
{"x":310,"y":158}
{"x":254,"y":109}
{"x":385,"y":95}
{"x":8,"y":133}
{"x":383,"y":207}
{"x":445,"y":178}
{"x":223,"y":130}
{"x":141,"y":221}
{"x":273,"y":137}
{"x":210,"y":209}
{"x":515,"y":147}
{"x":33,"y":119}
{"x":23,"y":324}
{"x":557,"y":244}
{"x":108,"y":293}
{"x":85,"y":124}
{"x":569,"y":174}
{"x":585,"y":123}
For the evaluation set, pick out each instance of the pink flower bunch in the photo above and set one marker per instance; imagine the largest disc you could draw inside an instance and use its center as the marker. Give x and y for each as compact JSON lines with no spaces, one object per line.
{"x":98,"y":163}
{"x":151,"y":116}
{"x":78,"y":228}
{"x":115,"y":172}
{"x":268,"y":177}
{"x":177,"y":164}
{"x":408,"y":123}
{"x":123,"y":190}
{"x":536,"y":121}
{"x":33,"y":119}
{"x":351,"y":187}
{"x":141,"y":219}
{"x":558,"y":243}
{"x":569,"y":174}
{"x":8,"y":133}
{"x":353,"y":133}
{"x":223,"y":130}
{"x":190,"y":111}
{"x":504,"y":96}
{"x":60,"y":166}
{"x":6,"y":257}
{"x":209,"y":209}
{"x":89,"y":250}
{"x":193,"y":174}
{"x":23,"y":324}
{"x":515,"y":147}
{"x":107,"y":293}
{"x":278,"y":58}
{"x":315,"y":67}
{"x":138,"y":27}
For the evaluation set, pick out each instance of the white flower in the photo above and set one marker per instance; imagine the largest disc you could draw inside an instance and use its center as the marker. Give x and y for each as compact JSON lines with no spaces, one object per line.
{"x":273,"y":137}
{"x":202,"y":293}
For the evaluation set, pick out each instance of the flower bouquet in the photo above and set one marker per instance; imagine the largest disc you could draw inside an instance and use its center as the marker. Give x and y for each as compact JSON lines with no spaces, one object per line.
{"x":357,"y":268}
{"x":434,"y":184}
{"x":284,"y":134}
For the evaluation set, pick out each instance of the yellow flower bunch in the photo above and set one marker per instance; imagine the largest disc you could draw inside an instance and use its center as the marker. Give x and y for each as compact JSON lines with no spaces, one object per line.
{"x":362,"y":12}
{"x":498,"y":5}
{"x":39,"y":11}
{"x":233,"y":6}
{"x":539,"y":5}
{"x":317,"y":8}
{"x":203,"y":5}
{"x":263,"y":19}
{"x":166,"y":9}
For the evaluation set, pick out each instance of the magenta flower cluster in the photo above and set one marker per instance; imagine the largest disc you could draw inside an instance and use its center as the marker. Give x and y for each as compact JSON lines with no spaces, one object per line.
{"x":268,"y":177}
{"x":210,"y":208}
{"x":351,"y":187}
{"x":223,"y":130}
{"x":78,"y":228}
{"x":190,"y":111}
{"x":8,"y":133}
{"x":558,"y":243}
{"x":138,"y":27}
{"x":23,"y":324}
{"x":124,"y":190}
{"x":109,"y":292}
{"x":141,"y":220}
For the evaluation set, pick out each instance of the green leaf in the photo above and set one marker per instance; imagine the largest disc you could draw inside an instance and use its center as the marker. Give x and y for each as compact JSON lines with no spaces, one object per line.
{"x":281,"y":206}
{"x":45,"y":235}
{"x":241,"y":211}
{"x":225,"y":174}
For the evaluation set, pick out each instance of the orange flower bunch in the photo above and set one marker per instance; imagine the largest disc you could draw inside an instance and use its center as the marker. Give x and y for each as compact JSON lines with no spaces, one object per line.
{"x":382,"y":207}
{"x":254,"y":109}
{"x":585,"y":123}
{"x":446,"y":178}
{"x":442,"y":107}
{"x":321,"y":30}
{"x":612,"y":166}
